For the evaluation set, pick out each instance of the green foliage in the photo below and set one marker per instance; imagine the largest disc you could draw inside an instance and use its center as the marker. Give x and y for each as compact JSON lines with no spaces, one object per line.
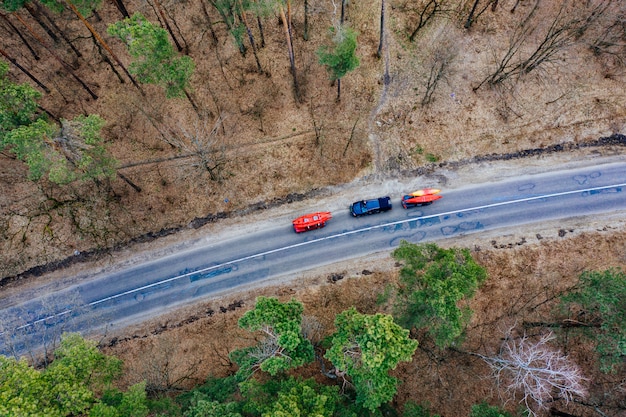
{"x":85,"y":150}
{"x":433,"y":282}
{"x":214,"y":389}
{"x":293,"y":397}
{"x":115,"y":403}
{"x":68,"y":386}
{"x":412,"y":409}
{"x":75,"y":151}
{"x":18,"y":104}
{"x":383,"y":298}
{"x":164,"y":407}
{"x":238,"y":31}
{"x":284,"y":347}
{"x":485,"y":410}
{"x":341,"y":58}
{"x":22,"y":390}
{"x":367,"y":347}
{"x":11,"y":6}
{"x":155,"y":61}
{"x":201,"y":407}
{"x":32,"y":144}
{"x":602,"y":297}
{"x":78,"y":369}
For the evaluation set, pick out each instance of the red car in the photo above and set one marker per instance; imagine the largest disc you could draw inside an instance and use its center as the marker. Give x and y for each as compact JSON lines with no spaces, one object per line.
{"x":311,"y":221}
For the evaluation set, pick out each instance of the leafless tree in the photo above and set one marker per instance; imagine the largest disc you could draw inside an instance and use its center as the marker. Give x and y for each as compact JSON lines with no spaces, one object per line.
{"x":166,"y":367}
{"x":565,"y":29}
{"x":539,"y":371}
{"x":202,"y":141}
{"x":438,"y":66}
{"x":610,"y":43}
{"x":476,"y":11}
{"x":428,"y":10}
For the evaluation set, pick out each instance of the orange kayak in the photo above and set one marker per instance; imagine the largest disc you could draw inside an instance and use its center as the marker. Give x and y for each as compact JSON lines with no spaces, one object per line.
{"x":311,"y":221}
{"x":424,"y":192}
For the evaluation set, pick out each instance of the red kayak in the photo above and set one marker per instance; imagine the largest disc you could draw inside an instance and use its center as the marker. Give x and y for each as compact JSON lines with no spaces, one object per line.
{"x":409,"y":201}
{"x":311,"y":221}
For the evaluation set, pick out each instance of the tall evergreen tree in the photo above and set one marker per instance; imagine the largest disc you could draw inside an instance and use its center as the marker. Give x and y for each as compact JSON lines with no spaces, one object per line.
{"x":341,"y":58}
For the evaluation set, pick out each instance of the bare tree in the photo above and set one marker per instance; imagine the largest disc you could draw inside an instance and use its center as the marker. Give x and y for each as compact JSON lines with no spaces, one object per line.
{"x":428,"y":11}
{"x":541,"y":372}
{"x":202,"y":142}
{"x":563,"y":32}
{"x":438,"y":67}
{"x":610,"y":43}
{"x":250,"y":37}
{"x":475,"y":11}
{"x":103,"y":43}
{"x":166,"y":368}
{"x":21,"y":36}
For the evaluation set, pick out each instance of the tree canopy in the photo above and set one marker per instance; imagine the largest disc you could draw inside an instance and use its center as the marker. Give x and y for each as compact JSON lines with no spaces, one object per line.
{"x":432,"y":283}
{"x":155,"y":60}
{"x":73,"y":151}
{"x":69,"y":385}
{"x":291,"y":397}
{"x":341,"y":58}
{"x":284,"y":346}
{"x":366,"y":348}
{"x":600,"y":297}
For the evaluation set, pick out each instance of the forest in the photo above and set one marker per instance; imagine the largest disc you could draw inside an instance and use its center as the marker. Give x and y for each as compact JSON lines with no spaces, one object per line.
{"x":430,"y":308}
{"x":125,"y":122}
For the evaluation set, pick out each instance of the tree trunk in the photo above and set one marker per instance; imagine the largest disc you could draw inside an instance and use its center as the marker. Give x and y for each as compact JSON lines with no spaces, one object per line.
{"x":250,"y":38}
{"x":104,"y":44}
{"x":379,"y":52}
{"x":343,"y":12}
{"x":107,"y":60}
{"x":121,"y":7}
{"x":67,"y":66}
{"x":42,"y":11}
{"x":305,"y":35}
{"x":292,"y":60}
{"x":289,"y":25}
{"x":473,"y":15}
{"x":192,"y":102}
{"x":260,"y":25}
{"x":29,"y":8}
{"x":338,"y":90}
{"x":30,"y":48}
{"x":208,"y":19}
{"x":470,"y":18}
{"x":25,"y":71}
{"x":167,"y":25}
{"x":129,"y":182}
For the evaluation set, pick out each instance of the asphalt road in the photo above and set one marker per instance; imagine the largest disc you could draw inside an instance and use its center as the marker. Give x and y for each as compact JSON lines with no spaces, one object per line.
{"x":154,"y":287}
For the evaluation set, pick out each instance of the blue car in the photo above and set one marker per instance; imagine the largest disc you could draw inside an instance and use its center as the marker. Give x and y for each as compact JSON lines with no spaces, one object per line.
{"x":377,"y":205}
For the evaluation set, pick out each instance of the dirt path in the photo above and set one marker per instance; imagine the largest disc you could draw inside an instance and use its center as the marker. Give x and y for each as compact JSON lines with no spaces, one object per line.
{"x":373,"y":137}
